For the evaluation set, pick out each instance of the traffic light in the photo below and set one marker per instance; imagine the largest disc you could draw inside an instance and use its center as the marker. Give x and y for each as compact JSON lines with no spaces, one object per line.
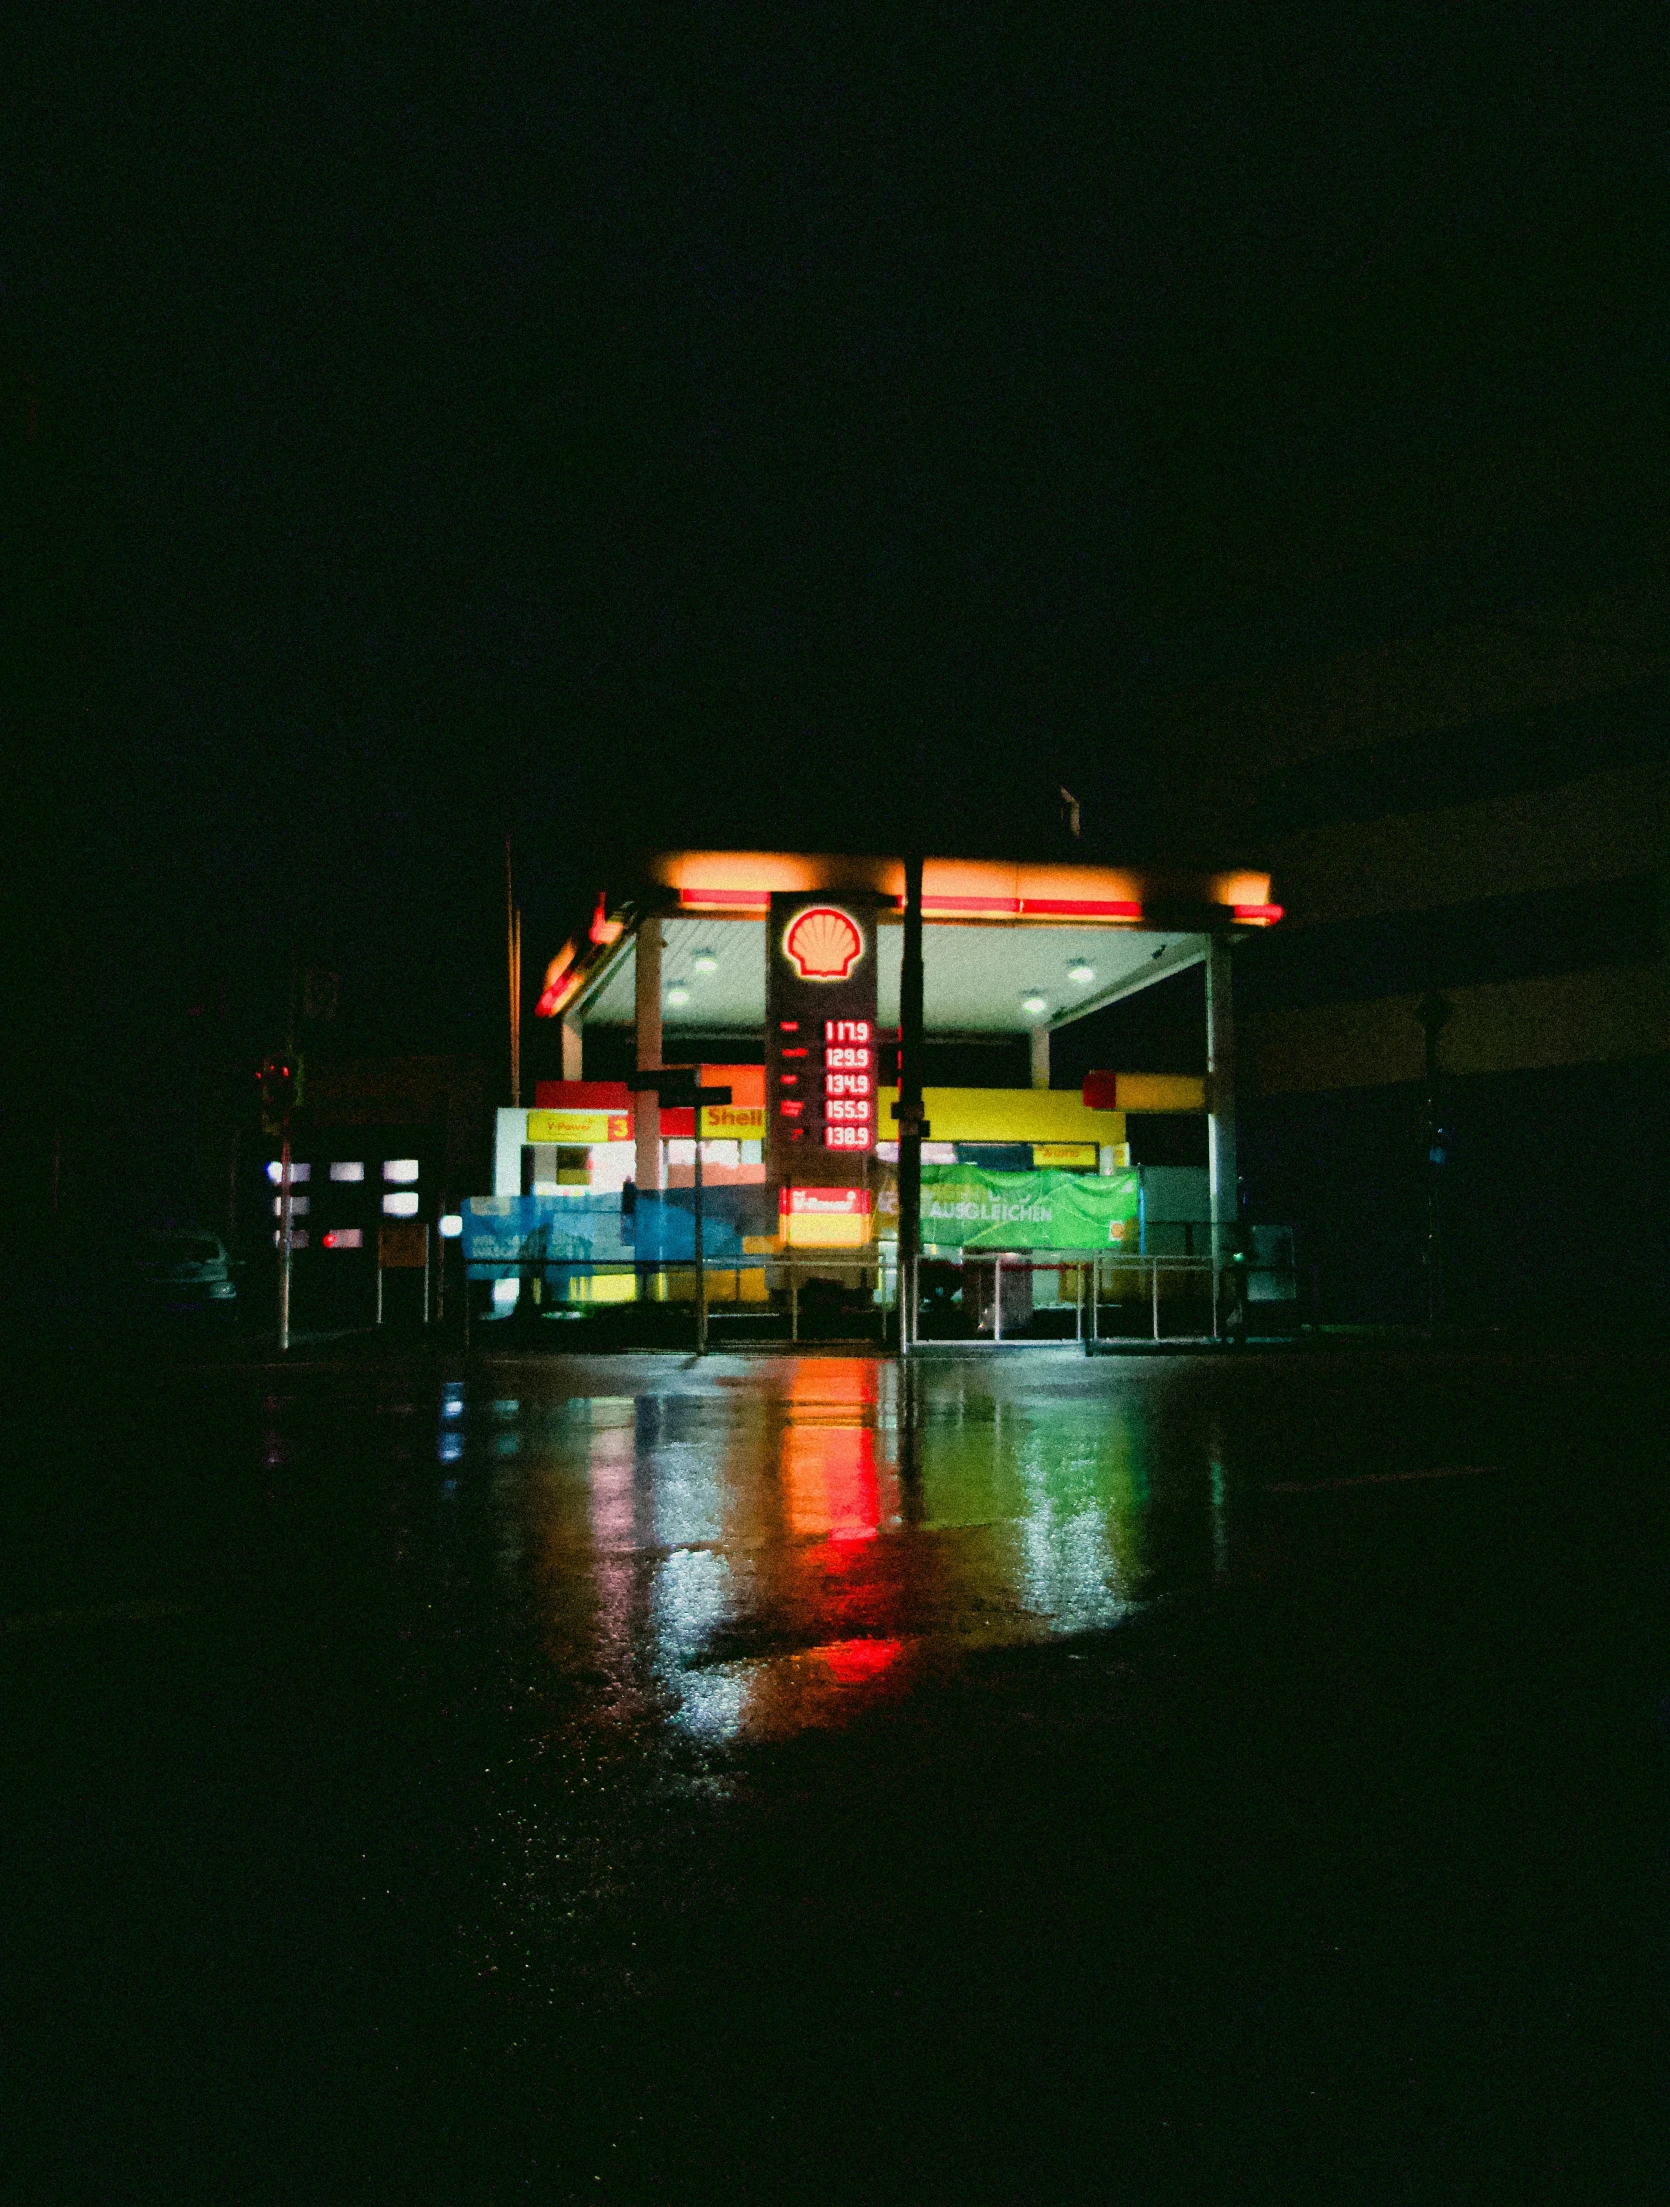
{"x":281,"y":1091}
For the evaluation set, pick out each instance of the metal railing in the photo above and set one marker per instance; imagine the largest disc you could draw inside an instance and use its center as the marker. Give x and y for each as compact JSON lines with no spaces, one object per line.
{"x":740,"y":1294}
{"x":1089,"y":1285}
{"x":992,"y":1296}
{"x":1183,"y":1277}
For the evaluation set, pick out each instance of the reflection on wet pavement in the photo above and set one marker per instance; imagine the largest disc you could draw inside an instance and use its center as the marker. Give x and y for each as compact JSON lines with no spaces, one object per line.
{"x":779,"y":1550}
{"x":628,"y":1778}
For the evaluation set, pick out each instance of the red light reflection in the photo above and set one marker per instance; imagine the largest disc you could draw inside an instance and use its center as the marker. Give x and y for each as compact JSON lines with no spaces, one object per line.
{"x":829,"y":1457}
{"x":856,"y":1662}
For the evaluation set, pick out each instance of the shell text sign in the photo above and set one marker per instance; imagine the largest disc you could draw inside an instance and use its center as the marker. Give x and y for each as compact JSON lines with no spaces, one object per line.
{"x":822,"y":943}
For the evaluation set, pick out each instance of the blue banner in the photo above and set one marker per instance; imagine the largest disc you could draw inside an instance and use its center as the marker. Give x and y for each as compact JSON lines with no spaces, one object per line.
{"x":515,"y":1231}
{"x":535,"y":1228}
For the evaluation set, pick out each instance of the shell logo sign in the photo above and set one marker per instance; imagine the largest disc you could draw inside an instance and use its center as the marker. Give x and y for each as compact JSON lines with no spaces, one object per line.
{"x":822,"y":943}
{"x":821,"y":1055}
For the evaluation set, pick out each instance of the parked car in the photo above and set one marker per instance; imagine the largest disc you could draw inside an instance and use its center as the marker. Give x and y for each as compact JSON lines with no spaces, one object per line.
{"x":95,"y":1291}
{"x":180,"y":1275}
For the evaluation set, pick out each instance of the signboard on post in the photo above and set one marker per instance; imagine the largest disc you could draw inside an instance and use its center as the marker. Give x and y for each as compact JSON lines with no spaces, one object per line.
{"x":820,"y":1046}
{"x":402,"y":1245}
{"x":824,"y":1218}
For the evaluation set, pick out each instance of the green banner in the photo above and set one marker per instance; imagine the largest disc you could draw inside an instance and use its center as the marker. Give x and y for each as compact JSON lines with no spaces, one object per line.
{"x":964,"y":1206}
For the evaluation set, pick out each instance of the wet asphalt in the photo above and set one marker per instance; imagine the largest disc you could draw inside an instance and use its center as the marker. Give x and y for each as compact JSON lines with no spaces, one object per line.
{"x":1046,"y":1780}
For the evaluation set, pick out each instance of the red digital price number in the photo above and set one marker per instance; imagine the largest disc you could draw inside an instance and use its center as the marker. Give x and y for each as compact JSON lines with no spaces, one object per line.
{"x":848,"y":1083}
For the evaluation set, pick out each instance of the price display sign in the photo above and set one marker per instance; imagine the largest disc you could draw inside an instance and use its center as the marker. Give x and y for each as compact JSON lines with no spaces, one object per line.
{"x":821,"y":1054}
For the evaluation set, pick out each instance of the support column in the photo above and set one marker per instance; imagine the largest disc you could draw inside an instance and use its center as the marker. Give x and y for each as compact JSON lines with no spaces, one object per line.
{"x":646,"y":1105}
{"x":573,"y":1051}
{"x":909,"y":1107}
{"x":1220,"y":1095}
{"x":1040,"y":1057}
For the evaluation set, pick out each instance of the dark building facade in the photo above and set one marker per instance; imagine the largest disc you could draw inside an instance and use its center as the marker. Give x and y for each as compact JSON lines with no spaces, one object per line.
{"x":1403,"y":545}
{"x":378,"y":1142}
{"x":1479,"y":813}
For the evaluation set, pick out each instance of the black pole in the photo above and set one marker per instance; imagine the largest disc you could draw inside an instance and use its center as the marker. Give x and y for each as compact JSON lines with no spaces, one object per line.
{"x":1434,"y":1252}
{"x":1433,"y":1012}
{"x":696,"y":1217}
{"x":910,"y":1105}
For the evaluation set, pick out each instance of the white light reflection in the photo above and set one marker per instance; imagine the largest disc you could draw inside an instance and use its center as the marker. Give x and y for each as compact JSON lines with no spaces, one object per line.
{"x":612,"y":1510}
{"x":609,"y":1467}
{"x":688,"y":1500}
{"x":690,"y":1597}
{"x":689,"y":1600}
{"x":1220,"y":1521}
{"x":1066,"y":1570}
{"x":1069,"y":1575}
{"x":715,"y":1704}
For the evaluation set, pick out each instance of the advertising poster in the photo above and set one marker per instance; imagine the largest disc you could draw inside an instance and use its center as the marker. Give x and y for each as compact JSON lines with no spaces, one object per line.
{"x":967,"y":1207}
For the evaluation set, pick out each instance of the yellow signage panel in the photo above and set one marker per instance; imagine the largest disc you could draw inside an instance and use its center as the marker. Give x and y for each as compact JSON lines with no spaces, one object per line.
{"x":578,"y":1128}
{"x":808,"y":1230}
{"x":1162,"y":1092}
{"x":1008,"y":1115}
{"x":733,"y":1122}
{"x":1065,"y":1155}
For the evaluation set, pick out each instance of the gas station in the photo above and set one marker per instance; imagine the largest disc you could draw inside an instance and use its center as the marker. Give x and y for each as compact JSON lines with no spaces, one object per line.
{"x":776,"y":978}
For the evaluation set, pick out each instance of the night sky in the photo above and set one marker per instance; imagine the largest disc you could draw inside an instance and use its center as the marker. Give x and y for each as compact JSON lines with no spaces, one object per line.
{"x":622,"y":424}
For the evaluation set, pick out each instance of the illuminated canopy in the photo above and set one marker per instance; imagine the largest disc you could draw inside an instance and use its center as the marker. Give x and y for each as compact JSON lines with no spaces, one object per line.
{"x":998,"y":939}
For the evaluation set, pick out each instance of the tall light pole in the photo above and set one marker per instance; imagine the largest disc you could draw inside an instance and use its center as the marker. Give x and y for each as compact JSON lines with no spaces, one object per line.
{"x":1434,"y":1011}
{"x":284,"y":1228}
{"x":908,"y":1110}
{"x":513,"y":965}
{"x":280,"y":1080}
